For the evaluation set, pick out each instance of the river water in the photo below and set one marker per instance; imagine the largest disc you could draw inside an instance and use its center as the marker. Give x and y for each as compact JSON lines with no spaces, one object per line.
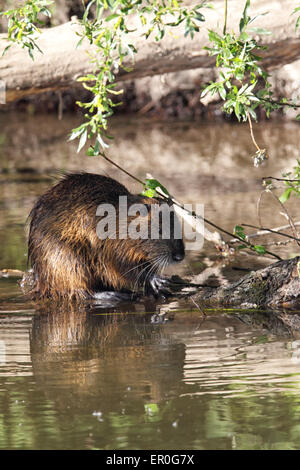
{"x":129,"y":377}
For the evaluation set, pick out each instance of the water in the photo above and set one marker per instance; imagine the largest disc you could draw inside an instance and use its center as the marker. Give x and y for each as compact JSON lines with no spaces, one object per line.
{"x":117,"y":378}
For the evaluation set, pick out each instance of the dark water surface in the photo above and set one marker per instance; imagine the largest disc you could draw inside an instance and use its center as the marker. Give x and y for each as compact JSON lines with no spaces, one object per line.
{"x":130,"y":377}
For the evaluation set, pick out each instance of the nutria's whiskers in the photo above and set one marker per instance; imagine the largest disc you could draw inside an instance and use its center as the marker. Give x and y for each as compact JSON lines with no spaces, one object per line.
{"x":135,"y":267}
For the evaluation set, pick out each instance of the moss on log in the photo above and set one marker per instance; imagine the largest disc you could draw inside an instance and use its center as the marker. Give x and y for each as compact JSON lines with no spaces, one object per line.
{"x":276,"y":286}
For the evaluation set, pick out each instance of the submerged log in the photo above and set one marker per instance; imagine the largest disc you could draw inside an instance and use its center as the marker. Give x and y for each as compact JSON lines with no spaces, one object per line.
{"x":276,"y":286}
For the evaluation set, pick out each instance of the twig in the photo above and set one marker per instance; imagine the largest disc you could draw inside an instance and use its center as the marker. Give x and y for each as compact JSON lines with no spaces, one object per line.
{"x":291,"y":105}
{"x":281,"y":243}
{"x":251,"y":131}
{"x":225,"y":18}
{"x":60,"y":105}
{"x":291,"y":222}
{"x":264,"y":232}
{"x":271,"y":231}
{"x":258,"y":207}
{"x":280,"y":179}
{"x":147,"y":107}
{"x":122,"y":169}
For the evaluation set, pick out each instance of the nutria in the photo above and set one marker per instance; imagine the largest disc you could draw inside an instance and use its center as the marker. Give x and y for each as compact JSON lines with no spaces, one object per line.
{"x":70,"y":260}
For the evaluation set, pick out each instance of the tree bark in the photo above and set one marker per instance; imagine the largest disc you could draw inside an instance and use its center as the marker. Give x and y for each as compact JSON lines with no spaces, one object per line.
{"x":62,"y":63}
{"x":276,"y":286}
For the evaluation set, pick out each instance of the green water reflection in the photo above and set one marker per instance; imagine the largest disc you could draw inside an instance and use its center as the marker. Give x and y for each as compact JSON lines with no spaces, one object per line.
{"x":84,"y":380}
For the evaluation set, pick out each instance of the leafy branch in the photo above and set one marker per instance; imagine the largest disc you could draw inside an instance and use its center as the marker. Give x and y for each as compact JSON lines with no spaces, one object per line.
{"x":236,"y":56}
{"x":291,"y":180}
{"x":242,"y":83}
{"x":109,"y":32}
{"x":22,"y":24}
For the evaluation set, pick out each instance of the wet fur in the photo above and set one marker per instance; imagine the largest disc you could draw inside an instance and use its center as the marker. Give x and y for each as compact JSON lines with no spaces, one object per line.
{"x":67,"y":257}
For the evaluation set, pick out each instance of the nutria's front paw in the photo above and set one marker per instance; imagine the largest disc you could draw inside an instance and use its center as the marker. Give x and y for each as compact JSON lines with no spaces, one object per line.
{"x":160,"y":286}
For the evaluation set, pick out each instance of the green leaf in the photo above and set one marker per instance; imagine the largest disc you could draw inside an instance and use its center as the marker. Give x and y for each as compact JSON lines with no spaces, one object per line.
{"x":252,"y":113}
{"x":222,"y":92}
{"x":80,"y":42}
{"x":237,"y":110}
{"x":214,"y":37}
{"x":82,"y":141}
{"x":239,"y":231}
{"x":150,"y":186}
{"x":77,"y":132}
{"x":7,"y":47}
{"x":101,"y":142}
{"x":112,"y":17}
{"x":90,"y":152}
{"x":245,"y":18}
{"x":243,"y":88}
{"x":285,"y":196}
{"x":87,"y":9}
{"x":259,"y":249}
{"x":149,"y":193}
{"x":97,"y":147}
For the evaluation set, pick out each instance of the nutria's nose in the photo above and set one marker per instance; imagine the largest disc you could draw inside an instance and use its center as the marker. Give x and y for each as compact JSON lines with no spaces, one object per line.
{"x":178,"y":256}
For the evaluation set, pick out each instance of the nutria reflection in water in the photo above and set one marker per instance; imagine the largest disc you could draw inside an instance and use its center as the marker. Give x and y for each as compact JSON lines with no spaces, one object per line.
{"x":100,"y":356}
{"x":70,"y":260}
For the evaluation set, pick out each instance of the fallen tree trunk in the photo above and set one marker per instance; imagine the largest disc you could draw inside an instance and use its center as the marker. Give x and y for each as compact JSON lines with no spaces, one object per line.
{"x":276,"y":286}
{"x":62,"y":63}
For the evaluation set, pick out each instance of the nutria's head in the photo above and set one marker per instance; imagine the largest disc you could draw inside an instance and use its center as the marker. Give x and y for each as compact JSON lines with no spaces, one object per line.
{"x":140,"y":238}
{"x":163,"y":231}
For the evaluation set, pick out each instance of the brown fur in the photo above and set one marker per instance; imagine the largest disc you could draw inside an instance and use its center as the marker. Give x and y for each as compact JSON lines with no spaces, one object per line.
{"x":67,"y":257}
